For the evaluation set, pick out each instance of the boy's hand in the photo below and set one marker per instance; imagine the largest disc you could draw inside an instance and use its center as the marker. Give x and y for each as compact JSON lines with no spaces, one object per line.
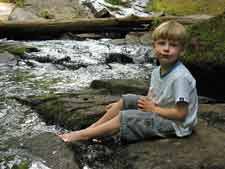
{"x":146,"y":105}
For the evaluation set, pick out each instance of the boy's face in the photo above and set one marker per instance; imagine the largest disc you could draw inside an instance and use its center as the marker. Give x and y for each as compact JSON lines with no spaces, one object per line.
{"x":167,"y":51}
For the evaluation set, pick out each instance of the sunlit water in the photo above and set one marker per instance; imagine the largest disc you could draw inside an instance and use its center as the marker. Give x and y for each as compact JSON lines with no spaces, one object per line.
{"x":32,"y":77}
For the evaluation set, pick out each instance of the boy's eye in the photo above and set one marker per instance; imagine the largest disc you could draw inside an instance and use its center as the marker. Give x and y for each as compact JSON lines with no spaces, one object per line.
{"x":161,"y":42}
{"x":174,"y":44}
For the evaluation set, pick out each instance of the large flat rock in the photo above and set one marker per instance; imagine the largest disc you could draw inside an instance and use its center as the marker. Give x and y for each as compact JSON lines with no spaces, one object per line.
{"x":204,"y":149}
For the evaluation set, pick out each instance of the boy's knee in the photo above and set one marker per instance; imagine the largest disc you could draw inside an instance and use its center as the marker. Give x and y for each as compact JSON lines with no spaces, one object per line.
{"x":130,"y":101}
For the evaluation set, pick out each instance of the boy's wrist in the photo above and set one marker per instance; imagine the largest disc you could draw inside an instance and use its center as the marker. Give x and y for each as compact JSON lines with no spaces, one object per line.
{"x":155,"y":109}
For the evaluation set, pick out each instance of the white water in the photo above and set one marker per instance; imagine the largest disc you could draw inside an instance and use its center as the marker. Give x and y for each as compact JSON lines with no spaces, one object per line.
{"x":31,"y":77}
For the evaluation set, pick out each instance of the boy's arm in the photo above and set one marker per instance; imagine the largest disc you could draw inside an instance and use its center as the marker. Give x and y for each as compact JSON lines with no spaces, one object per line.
{"x":178,"y":112}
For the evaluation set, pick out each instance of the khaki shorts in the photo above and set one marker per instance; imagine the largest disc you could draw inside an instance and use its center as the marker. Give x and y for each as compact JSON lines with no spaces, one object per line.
{"x":138,"y":125}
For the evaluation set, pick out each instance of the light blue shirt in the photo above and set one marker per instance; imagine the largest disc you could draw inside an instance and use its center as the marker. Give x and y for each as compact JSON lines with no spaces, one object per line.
{"x":178,"y":85}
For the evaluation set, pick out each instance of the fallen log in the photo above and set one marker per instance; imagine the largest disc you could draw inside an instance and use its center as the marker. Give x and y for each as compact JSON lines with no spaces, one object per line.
{"x":49,"y":30}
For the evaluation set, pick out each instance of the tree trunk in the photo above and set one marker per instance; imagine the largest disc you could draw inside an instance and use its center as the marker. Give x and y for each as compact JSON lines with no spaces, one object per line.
{"x":51,"y":29}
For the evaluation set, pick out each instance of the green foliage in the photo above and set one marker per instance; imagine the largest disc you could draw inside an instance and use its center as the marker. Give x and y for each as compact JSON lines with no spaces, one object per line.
{"x":19,"y":3}
{"x":187,"y":7}
{"x":207,"y":42}
{"x":156,"y":21}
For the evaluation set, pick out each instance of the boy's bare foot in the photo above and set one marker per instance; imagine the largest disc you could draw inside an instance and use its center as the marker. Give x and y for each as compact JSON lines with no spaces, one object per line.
{"x":72,"y":136}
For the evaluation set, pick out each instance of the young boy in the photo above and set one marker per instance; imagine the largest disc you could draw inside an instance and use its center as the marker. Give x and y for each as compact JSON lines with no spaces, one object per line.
{"x":170,"y":108}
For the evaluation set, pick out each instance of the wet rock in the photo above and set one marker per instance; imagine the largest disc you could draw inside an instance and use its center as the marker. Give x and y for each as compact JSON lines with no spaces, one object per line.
{"x":97,"y":12}
{"x":122,"y":86}
{"x":104,"y":13}
{"x":16,"y":48}
{"x":214,"y":114}
{"x":81,"y":37}
{"x":73,"y":111}
{"x":52,"y":150}
{"x":95,"y":155}
{"x":118,"y":58}
{"x":7,"y":58}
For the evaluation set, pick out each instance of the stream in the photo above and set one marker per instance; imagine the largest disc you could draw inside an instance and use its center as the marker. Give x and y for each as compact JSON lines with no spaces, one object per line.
{"x":58,"y":67}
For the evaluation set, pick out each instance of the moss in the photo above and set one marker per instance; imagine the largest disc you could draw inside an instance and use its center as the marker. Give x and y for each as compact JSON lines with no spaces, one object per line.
{"x":21,"y":77}
{"x":22,"y":165}
{"x":114,"y":2}
{"x":46,"y":14}
{"x":207,"y":42}
{"x":180,"y":7}
{"x":16,"y":49}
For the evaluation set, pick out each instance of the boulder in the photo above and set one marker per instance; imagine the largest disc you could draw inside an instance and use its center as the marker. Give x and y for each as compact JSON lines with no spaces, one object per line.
{"x":59,"y":10}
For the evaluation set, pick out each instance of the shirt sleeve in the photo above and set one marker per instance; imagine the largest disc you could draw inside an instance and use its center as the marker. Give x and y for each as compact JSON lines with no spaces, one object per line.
{"x":182,"y":90}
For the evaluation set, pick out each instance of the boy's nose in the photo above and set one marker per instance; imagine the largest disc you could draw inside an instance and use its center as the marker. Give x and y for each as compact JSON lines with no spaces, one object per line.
{"x":166,"y":47}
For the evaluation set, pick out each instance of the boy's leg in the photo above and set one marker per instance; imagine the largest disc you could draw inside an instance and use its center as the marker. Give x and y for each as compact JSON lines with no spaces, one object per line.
{"x":137,"y":125}
{"x":110,"y":113}
{"x":109,"y":127}
{"x":128,"y":101}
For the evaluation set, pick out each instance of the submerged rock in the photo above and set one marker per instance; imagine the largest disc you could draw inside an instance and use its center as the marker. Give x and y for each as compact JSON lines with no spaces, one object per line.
{"x":52,"y":150}
{"x":7,"y":58}
{"x":15,"y":48}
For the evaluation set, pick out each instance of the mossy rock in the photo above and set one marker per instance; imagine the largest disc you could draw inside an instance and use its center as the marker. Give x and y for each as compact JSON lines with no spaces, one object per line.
{"x":79,"y":110}
{"x":205,"y":55}
{"x":22,"y":165}
{"x":117,"y":2}
{"x":188,"y":7}
{"x":18,"y":49}
{"x":73,"y":111}
{"x":207,"y":42}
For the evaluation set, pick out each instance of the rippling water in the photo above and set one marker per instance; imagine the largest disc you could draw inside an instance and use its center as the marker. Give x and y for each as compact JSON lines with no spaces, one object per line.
{"x":51,"y":70}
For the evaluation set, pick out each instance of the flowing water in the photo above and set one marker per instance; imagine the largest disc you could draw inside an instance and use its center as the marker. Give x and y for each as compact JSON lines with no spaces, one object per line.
{"x":57,"y":67}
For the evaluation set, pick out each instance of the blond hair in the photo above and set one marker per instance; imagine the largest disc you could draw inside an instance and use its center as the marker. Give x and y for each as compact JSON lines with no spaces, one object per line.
{"x":170,"y":30}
